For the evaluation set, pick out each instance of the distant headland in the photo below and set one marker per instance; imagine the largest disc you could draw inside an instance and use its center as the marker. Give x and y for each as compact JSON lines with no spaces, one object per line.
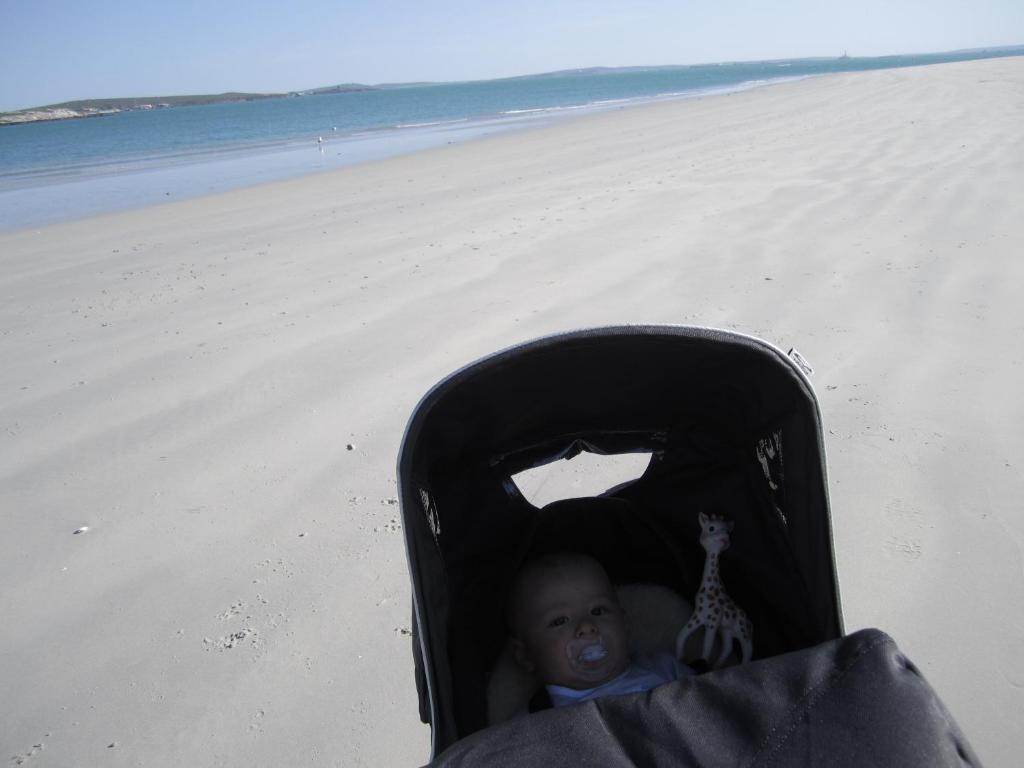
{"x":69,"y":110}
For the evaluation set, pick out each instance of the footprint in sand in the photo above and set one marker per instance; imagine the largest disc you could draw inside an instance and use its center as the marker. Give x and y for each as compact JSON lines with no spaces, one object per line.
{"x":26,"y":756}
{"x":233,"y":639}
{"x":392,"y":526}
{"x":234,"y":610}
{"x":908,"y":549}
{"x":254,"y":724}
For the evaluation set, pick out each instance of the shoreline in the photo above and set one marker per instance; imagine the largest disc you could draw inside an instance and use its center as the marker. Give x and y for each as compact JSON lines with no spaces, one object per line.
{"x":216,"y":388}
{"x":27,"y":198}
{"x":92,"y":177}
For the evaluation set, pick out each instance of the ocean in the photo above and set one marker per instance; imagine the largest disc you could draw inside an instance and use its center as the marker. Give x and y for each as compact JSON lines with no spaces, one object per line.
{"x":60,"y":170}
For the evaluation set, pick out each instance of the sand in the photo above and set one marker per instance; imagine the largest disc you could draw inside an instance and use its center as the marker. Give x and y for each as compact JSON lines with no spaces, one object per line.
{"x":217,"y":388}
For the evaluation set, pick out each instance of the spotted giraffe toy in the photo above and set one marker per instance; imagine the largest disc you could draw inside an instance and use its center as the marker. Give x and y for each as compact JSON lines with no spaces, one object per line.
{"x":714,"y":610}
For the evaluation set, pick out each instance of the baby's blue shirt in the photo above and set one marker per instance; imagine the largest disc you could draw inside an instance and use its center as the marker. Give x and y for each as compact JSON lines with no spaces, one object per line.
{"x":643,"y":673}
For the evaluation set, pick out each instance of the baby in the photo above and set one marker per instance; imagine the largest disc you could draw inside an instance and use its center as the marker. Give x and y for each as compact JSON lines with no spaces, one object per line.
{"x":569,"y":631}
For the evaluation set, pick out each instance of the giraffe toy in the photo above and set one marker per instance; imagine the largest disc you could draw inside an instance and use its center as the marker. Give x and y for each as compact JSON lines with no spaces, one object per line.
{"x":714,"y":610}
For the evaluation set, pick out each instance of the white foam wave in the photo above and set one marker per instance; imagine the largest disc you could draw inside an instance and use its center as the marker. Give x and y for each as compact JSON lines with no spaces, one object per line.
{"x":528,"y":111}
{"x":432,"y":124}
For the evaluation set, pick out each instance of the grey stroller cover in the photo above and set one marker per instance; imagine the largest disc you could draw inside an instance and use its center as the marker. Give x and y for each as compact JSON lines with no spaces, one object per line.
{"x":856,"y":702}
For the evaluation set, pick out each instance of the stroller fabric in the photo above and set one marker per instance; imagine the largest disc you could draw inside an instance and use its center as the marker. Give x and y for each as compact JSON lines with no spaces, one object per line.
{"x":732,"y":427}
{"x":855,"y":702}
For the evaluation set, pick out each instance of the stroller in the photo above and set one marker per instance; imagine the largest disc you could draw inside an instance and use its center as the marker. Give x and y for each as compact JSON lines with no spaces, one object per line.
{"x":732,"y":427}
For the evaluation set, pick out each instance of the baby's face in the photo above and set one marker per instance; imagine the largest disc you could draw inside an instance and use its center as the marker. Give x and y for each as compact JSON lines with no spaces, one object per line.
{"x":571,"y":629}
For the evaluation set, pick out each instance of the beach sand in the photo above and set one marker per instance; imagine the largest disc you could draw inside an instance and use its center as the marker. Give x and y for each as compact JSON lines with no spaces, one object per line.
{"x":217,"y":389}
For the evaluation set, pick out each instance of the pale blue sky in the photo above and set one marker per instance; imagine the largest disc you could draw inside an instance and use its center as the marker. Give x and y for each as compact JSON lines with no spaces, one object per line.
{"x":59,"y":50}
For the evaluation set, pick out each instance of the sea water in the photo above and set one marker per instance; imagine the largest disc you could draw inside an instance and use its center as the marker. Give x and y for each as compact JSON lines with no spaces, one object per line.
{"x":53,"y":171}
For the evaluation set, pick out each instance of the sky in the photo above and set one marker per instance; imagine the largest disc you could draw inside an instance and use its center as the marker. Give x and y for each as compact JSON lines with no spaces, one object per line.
{"x":61,"y":50}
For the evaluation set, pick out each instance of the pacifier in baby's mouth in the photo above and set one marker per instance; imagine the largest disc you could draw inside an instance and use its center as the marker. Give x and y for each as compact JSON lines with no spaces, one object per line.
{"x":589,"y":652}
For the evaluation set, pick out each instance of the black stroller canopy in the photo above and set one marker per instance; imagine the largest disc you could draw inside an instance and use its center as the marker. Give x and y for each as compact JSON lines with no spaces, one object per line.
{"x":733,"y":428}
